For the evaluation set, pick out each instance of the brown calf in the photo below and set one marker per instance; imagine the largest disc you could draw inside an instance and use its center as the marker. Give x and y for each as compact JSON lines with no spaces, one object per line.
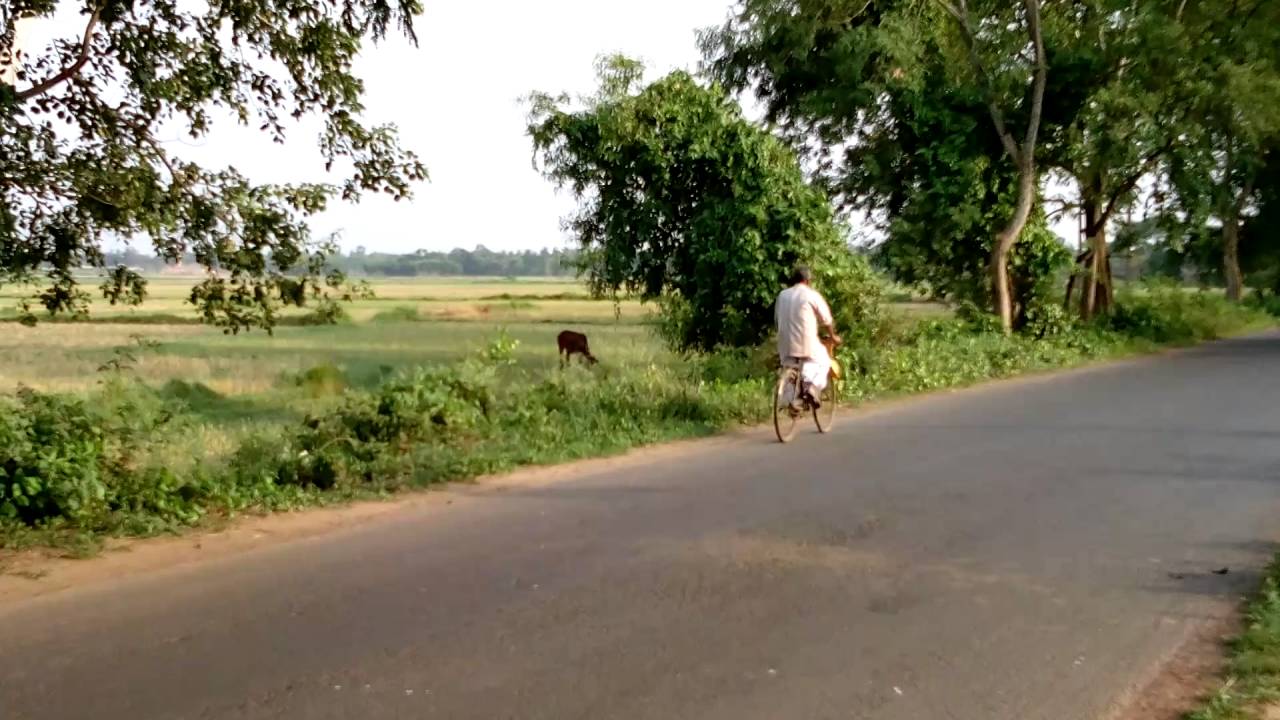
{"x":573,"y":343}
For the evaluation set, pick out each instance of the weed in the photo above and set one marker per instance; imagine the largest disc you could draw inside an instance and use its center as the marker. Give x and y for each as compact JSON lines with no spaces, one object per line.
{"x":396,"y":314}
{"x":320,"y":381}
{"x":1253,"y":667}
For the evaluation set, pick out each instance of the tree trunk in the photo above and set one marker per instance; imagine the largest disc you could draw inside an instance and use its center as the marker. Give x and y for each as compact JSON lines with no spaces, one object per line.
{"x":1231,"y":242}
{"x":1000,"y":286}
{"x":1096,"y":298}
{"x":1231,"y":257}
{"x":1095,"y":295}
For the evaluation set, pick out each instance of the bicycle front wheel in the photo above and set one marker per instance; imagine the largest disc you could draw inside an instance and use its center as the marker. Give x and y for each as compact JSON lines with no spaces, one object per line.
{"x":784,"y":412}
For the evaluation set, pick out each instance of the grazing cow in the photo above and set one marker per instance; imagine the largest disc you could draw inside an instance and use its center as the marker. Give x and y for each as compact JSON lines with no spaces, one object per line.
{"x":574,"y":343}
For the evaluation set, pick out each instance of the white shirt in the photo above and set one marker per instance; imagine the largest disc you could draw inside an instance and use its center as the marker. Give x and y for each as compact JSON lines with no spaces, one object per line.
{"x":800,"y":311}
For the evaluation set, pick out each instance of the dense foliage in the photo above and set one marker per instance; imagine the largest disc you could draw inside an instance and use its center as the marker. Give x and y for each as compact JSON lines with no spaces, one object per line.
{"x":898,"y":104}
{"x":922,"y":114}
{"x":1218,"y":173}
{"x":81,"y":159}
{"x":688,"y":203}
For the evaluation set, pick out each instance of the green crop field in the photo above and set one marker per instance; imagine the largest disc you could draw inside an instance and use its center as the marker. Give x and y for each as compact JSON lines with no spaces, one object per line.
{"x":408,"y":323}
{"x":240,"y":385}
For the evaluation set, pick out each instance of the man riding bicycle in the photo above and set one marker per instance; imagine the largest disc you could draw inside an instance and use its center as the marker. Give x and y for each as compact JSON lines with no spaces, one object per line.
{"x":799,"y":312}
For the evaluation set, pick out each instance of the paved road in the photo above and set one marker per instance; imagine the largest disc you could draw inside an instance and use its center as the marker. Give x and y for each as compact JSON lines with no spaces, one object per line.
{"x":1000,"y":553}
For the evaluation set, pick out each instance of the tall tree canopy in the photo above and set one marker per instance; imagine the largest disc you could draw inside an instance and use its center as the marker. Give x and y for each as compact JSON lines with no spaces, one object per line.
{"x":879,"y":86}
{"x":1214,"y":176}
{"x":81,"y":162}
{"x":686,"y":202}
{"x":1112,"y":114}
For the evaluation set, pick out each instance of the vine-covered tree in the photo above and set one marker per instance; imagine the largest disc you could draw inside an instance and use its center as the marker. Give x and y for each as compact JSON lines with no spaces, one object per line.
{"x":81,"y":161}
{"x":686,"y":202}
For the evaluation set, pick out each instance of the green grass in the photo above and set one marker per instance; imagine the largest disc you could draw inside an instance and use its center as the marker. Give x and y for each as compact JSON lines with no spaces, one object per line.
{"x":1253,"y":665}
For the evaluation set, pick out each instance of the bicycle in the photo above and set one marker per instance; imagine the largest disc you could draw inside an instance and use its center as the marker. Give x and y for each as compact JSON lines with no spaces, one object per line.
{"x":788,"y":406}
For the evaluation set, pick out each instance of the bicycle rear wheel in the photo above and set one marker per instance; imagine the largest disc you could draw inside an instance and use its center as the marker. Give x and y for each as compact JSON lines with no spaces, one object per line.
{"x":825,"y":416}
{"x":784,"y":413}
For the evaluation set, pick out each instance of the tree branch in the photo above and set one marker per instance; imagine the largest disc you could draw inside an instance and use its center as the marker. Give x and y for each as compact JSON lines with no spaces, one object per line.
{"x":961,"y":15}
{"x":1130,"y":182}
{"x":1064,"y":207}
{"x":1042,"y":75}
{"x":86,"y":45}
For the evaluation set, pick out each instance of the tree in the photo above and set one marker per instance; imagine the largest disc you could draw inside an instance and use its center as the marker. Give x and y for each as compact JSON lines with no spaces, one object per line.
{"x":1260,"y":233}
{"x":687,"y":203}
{"x":80,"y":158}
{"x":930,"y":172}
{"x":1113,"y":112}
{"x":837,"y":72}
{"x":1235,"y":101}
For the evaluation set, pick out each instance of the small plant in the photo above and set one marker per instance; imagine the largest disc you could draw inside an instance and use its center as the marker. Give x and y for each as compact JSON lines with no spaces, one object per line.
{"x":125,"y":358}
{"x":322,"y":381}
{"x":1045,"y":318}
{"x":400,"y":313}
{"x":327,"y":312}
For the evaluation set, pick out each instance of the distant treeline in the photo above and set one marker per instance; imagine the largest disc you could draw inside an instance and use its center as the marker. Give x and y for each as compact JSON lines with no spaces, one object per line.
{"x":478,"y":262}
{"x":459,"y":262}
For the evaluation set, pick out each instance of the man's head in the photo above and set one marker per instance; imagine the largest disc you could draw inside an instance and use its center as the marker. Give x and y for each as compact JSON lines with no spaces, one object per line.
{"x":802,"y":275}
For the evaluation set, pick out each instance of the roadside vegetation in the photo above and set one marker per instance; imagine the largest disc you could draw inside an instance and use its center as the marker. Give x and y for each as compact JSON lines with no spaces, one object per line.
{"x":1251,"y":689}
{"x":130,"y":451}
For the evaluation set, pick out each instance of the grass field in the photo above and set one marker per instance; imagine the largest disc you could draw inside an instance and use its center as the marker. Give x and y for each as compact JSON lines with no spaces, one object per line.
{"x":407,"y":324}
{"x":235,"y":384}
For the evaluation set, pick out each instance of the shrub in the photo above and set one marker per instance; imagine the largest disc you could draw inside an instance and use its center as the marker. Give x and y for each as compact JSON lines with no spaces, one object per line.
{"x":400,"y":313}
{"x":370,"y":435}
{"x":85,"y":460}
{"x":51,"y":459}
{"x":1164,"y":313}
{"x":322,"y":381}
{"x":1268,"y":303}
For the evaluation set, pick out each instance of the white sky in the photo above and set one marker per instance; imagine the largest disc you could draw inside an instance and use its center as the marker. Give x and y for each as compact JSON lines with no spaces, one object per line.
{"x":456,"y":99}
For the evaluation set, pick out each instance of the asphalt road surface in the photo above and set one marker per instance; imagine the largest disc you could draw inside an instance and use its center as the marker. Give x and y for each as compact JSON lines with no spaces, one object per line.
{"x":1024,"y":550}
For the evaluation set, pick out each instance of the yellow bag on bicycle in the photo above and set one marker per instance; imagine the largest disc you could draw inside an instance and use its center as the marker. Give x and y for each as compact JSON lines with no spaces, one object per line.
{"x":835,"y":368}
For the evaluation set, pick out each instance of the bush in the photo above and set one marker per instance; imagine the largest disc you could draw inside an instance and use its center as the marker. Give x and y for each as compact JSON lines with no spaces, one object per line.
{"x":370,"y":435}
{"x":1165,"y":313}
{"x":84,"y":461}
{"x":1268,"y":303}
{"x":400,"y":313}
{"x":322,"y":381}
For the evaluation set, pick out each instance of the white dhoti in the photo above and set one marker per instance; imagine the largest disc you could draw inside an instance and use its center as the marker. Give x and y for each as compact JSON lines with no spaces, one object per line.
{"x":813,"y":370}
